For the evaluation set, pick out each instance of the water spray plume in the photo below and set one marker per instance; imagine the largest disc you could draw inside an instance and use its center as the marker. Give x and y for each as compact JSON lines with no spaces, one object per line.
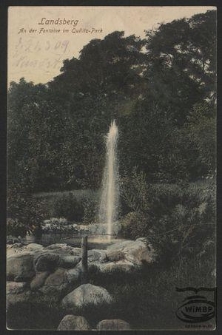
{"x":108,"y":212}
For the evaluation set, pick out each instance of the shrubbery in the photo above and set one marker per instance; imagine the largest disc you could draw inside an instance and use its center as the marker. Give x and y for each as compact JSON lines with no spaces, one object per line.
{"x":178,"y":219}
{"x":15,"y":228}
{"x":135,"y":225}
{"x":90,"y":210}
{"x":25,"y":213}
{"x":69,"y":207}
{"x":77,"y":209}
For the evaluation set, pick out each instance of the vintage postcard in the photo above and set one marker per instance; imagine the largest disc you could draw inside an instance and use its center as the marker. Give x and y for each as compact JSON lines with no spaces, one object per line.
{"x":111,"y":216}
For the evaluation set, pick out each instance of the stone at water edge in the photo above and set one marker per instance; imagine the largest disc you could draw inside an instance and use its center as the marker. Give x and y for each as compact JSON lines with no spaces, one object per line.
{"x":87,"y":294}
{"x":113,"y":324}
{"x":73,"y":322}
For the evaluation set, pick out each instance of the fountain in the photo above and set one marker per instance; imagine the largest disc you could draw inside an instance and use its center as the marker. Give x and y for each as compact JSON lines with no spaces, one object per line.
{"x":108,"y":211}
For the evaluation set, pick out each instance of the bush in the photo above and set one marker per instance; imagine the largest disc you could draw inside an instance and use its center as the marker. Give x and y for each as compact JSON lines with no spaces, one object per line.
{"x":177,"y":219}
{"x":90,"y":210}
{"x":69,"y":207}
{"x":24,"y":211}
{"x":15,"y":228}
{"x":135,"y":192}
{"x":134,"y":225}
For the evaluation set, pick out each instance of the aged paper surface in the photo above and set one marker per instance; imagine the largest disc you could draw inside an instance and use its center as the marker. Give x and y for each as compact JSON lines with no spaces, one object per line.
{"x":111,"y":168}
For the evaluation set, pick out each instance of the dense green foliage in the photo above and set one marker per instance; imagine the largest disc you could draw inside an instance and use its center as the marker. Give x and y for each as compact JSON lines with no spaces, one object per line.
{"x":75,"y":209}
{"x":163,"y":100}
{"x":161,"y":91}
{"x":178,"y":219}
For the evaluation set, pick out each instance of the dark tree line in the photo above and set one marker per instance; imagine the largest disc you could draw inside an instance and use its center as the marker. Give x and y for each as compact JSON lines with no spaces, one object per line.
{"x":160,"y":89}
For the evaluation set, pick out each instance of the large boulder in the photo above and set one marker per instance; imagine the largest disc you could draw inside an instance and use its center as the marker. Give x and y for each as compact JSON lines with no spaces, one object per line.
{"x":72,"y":322}
{"x":68,"y":261}
{"x":135,"y":252}
{"x":85,"y":295}
{"x":113,"y":324}
{"x":46,"y":261}
{"x":20,"y":267}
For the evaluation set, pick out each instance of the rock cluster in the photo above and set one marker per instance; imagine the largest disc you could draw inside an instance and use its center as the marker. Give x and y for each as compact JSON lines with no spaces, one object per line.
{"x":54,"y":273}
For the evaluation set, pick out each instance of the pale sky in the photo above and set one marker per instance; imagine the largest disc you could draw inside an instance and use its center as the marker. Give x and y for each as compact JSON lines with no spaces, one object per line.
{"x":37,"y":54}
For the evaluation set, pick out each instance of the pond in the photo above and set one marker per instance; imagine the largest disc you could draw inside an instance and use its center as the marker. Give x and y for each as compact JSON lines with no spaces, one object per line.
{"x":74,"y":240}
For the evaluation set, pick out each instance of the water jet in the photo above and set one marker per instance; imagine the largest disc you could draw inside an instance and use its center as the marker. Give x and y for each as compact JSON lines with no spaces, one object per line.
{"x":108,"y":211}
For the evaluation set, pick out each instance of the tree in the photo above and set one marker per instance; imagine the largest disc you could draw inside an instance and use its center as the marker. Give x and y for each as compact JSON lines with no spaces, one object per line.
{"x":181,"y":65}
{"x":35,"y":136}
{"x":111,"y":66}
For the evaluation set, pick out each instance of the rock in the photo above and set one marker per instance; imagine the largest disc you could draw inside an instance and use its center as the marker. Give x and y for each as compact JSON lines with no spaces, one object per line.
{"x":39,"y":280}
{"x":113,"y":324}
{"x":64,"y":249}
{"x":95,"y":255}
{"x":73,"y":275}
{"x":69,"y":261}
{"x":114,"y":255}
{"x":14,"y":249}
{"x":72,"y":322}
{"x":122,"y":265}
{"x":136,"y":252}
{"x":56,"y":282}
{"x":20,"y":267}
{"x":15,"y":288}
{"x":46,"y":261}
{"x":120,"y":245}
{"x":34,"y":247}
{"x":86,"y":294}
{"x":57,"y":246}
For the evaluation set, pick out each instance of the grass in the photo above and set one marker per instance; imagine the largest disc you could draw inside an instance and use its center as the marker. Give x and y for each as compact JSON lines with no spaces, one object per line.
{"x":148,"y":299}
